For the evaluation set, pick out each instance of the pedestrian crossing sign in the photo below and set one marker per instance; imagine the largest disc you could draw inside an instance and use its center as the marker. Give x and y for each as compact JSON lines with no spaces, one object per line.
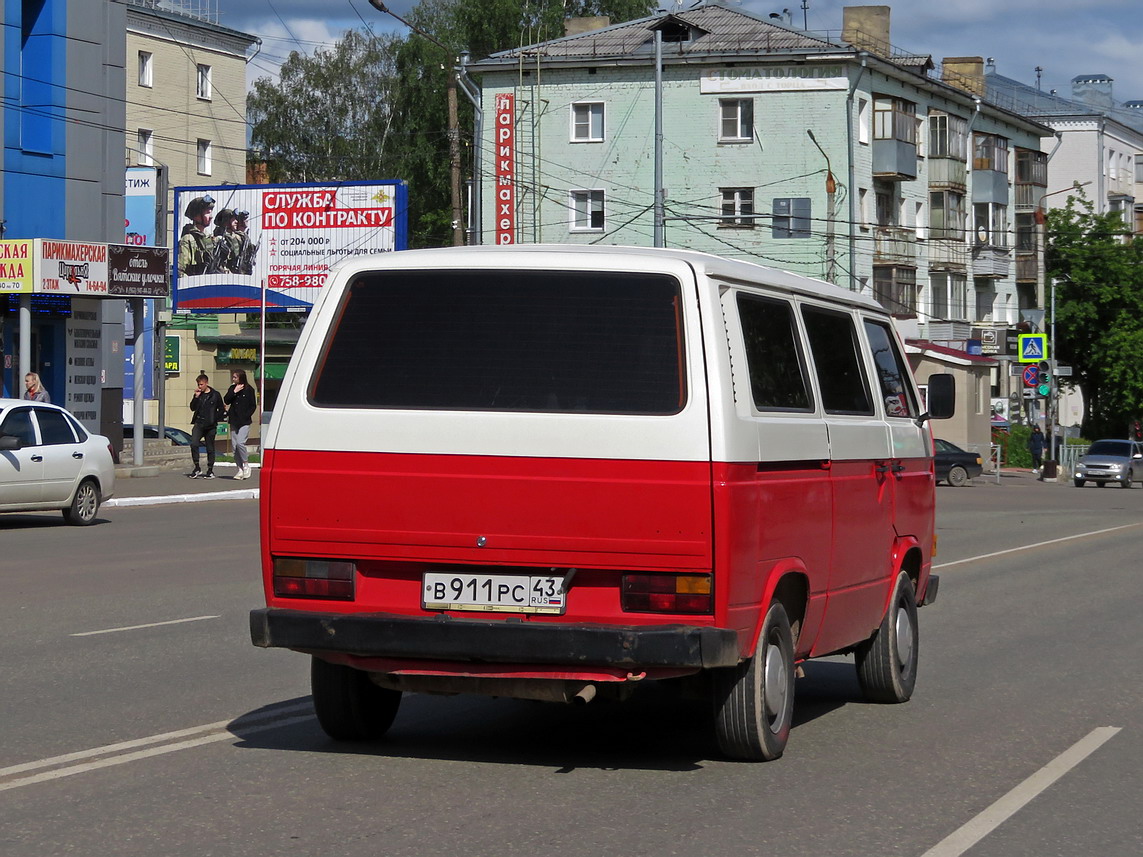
{"x":1032,"y":347}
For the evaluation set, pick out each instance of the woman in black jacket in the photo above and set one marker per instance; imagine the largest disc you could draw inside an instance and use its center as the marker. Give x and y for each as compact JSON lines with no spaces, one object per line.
{"x":242,"y":404}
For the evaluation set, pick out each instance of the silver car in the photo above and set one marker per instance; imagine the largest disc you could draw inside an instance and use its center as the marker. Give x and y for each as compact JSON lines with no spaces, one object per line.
{"x":1111,"y":461}
{"x":49,"y":461}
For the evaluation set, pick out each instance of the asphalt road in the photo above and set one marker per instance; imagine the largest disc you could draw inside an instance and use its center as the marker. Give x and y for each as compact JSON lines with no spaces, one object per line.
{"x":138,"y":720}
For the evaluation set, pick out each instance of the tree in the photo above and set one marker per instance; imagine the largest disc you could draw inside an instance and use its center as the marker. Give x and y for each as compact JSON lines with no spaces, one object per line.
{"x":1099,"y":312}
{"x":328,"y":117}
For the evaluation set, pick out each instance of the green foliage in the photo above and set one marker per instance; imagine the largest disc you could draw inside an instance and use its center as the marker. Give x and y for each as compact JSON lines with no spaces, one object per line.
{"x":374,"y":107}
{"x":328,"y":117}
{"x":1099,"y":311}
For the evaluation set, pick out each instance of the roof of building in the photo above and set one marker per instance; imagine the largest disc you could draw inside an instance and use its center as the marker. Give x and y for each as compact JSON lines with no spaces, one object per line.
{"x":1047,"y":106}
{"x":944,"y":352}
{"x":185,"y":14}
{"x":712,"y":29}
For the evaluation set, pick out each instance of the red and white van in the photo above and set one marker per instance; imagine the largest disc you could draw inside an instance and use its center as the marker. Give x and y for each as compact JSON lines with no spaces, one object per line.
{"x":554,"y":472}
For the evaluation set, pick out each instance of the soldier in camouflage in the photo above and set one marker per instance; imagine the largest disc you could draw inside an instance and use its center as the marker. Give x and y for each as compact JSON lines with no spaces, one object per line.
{"x":196,"y":248}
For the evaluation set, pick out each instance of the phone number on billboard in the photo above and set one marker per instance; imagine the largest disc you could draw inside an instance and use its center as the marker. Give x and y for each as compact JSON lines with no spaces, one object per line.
{"x":295,"y":281}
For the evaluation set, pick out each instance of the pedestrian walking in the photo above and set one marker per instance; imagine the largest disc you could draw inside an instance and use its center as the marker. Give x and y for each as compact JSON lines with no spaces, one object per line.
{"x":1036,"y":447}
{"x":209,"y":411}
{"x":34,"y":389}
{"x":241,"y":404}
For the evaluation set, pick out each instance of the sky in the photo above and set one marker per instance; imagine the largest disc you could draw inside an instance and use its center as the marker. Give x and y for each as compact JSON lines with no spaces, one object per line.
{"x":1065,"y":38}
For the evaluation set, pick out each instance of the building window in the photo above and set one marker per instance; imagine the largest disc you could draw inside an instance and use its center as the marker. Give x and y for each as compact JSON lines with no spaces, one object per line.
{"x":985,"y":300}
{"x":990,"y":224}
{"x":1031,"y":168}
{"x":1025,"y":232}
{"x":203,"y":88}
{"x":587,"y":122}
{"x":146,"y":68}
{"x":736,"y":123}
{"x":894,"y":119}
{"x":948,"y":137}
{"x":737,"y":206}
{"x":1139,"y":168}
{"x":204,"y":157}
{"x":145,"y":148}
{"x":863,"y":207}
{"x":863,"y":120}
{"x":885,"y":196}
{"x":990,"y":152}
{"x":946,"y":215}
{"x":895,"y":289}
{"x":948,"y":297}
{"x":587,"y":210}
{"x":791,"y":218}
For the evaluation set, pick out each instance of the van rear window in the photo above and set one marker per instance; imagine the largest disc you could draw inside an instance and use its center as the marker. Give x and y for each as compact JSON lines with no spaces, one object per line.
{"x":506,"y":340}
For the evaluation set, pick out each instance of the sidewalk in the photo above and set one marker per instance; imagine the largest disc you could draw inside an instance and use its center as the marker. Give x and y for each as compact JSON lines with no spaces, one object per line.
{"x":150,"y":485}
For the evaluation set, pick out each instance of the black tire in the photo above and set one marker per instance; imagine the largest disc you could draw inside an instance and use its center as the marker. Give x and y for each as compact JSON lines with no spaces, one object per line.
{"x":754,"y":702}
{"x":887,"y":661}
{"x":1130,"y":478}
{"x":84,"y":505}
{"x":1079,"y":483}
{"x":958,"y":476}
{"x":348,"y":705}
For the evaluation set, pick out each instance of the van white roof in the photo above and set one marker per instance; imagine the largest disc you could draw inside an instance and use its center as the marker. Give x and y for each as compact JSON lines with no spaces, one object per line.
{"x":576,"y":255}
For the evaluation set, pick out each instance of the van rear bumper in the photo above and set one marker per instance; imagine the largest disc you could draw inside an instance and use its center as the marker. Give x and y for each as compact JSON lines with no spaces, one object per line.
{"x":450,"y":639}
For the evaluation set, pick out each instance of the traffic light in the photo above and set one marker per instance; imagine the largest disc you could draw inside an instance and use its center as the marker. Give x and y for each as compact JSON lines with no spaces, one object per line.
{"x":1136,"y":431}
{"x":1044,"y":380}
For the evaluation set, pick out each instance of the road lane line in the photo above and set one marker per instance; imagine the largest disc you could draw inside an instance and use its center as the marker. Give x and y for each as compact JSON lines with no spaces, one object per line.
{"x":116,"y":754}
{"x":962,"y":839}
{"x":138,"y":627}
{"x":1035,"y":545}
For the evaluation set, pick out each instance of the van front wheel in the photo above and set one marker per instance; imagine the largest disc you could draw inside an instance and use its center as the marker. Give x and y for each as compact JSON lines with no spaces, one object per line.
{"x":754,"y":702}
{"x":887,"y":661}
{"x":350,"y":707}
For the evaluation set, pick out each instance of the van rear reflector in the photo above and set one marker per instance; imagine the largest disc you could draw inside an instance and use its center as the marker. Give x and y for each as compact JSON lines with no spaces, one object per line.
{"x":296,"y":577}
{"x":667,"y":593}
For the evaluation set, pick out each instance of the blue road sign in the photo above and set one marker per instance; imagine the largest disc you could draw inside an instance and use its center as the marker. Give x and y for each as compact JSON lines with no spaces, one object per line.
{"x":1032,"y":347}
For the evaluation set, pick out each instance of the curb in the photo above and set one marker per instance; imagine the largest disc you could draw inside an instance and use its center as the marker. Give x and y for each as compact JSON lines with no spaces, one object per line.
{"x":245,"y":494}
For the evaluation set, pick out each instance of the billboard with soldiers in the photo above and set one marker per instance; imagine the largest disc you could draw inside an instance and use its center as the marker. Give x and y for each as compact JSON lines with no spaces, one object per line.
{"x":241,"y":244}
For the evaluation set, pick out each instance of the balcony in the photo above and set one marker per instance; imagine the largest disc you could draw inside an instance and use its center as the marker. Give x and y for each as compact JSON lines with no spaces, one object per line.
{"x":947,"y":172}
{"x":894,"y":245}
{"x":895,"y":160}
{"x":1027,"y":267}
{"x":948,"y":256}
{"x":1028,"y":195}
{"x":988,"y":261}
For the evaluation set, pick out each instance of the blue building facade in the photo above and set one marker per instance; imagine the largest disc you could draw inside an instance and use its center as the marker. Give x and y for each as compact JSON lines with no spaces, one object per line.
{"x":62,"y":125}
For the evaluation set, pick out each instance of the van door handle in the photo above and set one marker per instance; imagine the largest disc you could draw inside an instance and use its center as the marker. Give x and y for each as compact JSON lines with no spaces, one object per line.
{"x":881,"y":468}
{"x":898,"y":469}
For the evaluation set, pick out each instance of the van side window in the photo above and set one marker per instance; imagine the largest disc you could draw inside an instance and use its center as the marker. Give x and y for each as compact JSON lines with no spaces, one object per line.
{"x":837,"y":360}
{"x":773,"y":356}
{"x":598,"y":342}
{"x":892,"y":372}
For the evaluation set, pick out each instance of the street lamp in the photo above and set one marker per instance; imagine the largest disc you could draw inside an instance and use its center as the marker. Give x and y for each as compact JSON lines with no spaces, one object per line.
{"x":1054,"y":386}
{"x":831,"y":190}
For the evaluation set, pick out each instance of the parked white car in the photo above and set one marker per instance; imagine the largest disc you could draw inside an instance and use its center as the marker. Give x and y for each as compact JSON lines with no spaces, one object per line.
{"x":49,"y":461}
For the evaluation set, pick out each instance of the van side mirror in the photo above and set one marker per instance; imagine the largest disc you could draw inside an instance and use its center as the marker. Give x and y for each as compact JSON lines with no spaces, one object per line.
{"x":941,"y":398}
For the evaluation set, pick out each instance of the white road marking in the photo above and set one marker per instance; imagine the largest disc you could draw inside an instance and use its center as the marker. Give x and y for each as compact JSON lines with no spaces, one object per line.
{"x":70,"y":764}
{"x":139,"y":627}
{"x":1036,"y":545}
{"x":961,"y":840}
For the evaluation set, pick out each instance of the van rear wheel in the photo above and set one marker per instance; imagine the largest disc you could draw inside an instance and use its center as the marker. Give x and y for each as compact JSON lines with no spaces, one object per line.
{"x":348,"y":705}
{"x":887,"y":661}
{"x":754,"y":702}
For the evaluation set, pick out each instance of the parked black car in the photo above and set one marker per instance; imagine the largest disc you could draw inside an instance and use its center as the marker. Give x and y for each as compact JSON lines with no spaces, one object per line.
{"x":954,"y":465}
{"x":177,"y":436}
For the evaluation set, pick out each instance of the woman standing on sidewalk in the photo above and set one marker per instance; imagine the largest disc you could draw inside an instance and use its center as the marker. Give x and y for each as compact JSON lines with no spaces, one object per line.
{"x":242,"y":403}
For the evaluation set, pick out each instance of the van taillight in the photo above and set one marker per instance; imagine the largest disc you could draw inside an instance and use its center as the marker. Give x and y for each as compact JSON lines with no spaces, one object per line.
{"x":295,"y":577}
{"x":667,"y":593}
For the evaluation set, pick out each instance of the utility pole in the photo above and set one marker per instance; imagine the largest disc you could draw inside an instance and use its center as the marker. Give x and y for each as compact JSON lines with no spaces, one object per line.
{"x":831,"y":193}
{"x":453,"y":128}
